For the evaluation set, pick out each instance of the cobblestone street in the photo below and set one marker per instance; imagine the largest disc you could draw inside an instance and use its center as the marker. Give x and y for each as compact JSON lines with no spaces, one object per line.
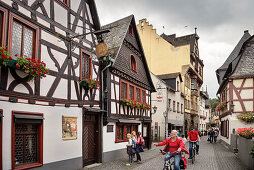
{"x":211,"y":157}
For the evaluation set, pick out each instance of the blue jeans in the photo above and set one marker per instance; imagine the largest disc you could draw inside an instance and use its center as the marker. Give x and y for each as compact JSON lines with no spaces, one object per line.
{"x":130,"y":158}
{"x":190,"y":147}
{"x":177,"y":160}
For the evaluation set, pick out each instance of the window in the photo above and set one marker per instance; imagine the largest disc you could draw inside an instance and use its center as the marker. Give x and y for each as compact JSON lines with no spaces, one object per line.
{"x":123,"y":129}
{"x":120,"y":132}
{"x":143,"y":96}
{"x":133,"y":64}
{"x":174,"y":106}
{"x":181,"y":108}
{"x":131,"y":30}
{"x":178,"y":107}
{"x":123,"y":90}
{"x":27,"y":140}
{"x":86,"y":66}
{"x":169,"y":103}
{"x":23,"y":38}
{"x":138,"y":98}
{"x":1,"y":27}
{"x":131,"y":92}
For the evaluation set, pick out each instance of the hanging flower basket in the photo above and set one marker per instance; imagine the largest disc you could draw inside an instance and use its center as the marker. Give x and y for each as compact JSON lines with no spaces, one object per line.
{"x":221,"y":106}
{"x":248,"y":117}
{"x":89,"y":83}
{"x":34,"y":68}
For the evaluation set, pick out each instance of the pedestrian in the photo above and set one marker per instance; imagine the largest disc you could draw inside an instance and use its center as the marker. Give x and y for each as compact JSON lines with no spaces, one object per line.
{"x":178,"y":133}
{"x":139,"y":146}
{"x":215,"y":135}
{"x":194,"y":138}
{"x":173,"y":144}
{"x":130,"y":149}
{"x":134,"y":138}
{"x":184,"y":139}
{"x":211,"y":134}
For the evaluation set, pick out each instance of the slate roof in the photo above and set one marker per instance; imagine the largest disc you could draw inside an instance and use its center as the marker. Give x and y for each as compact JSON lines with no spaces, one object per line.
{"x":245,"y":66}
{"x":236,"y":50}
{"x":115,"y":37}
{"x":170,"y":76}
{"x":179,"y":41}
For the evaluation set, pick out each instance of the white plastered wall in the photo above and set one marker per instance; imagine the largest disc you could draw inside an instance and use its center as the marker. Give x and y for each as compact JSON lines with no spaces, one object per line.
{"x":54,"y":148}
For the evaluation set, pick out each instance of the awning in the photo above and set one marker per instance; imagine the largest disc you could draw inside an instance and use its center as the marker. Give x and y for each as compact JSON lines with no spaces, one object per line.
{"x":131,"y":121}
{"x":176,"y":122}
{"x":93,"y":109}
{"x":26,"y":118}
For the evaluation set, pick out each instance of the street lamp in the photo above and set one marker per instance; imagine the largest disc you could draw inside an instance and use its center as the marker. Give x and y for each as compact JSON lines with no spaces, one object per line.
{"x":165,"y":114}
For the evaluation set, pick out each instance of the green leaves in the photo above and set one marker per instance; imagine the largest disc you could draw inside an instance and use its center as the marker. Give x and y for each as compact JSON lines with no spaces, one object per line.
{"x":247,"y":117}
{"x":90,"y":83}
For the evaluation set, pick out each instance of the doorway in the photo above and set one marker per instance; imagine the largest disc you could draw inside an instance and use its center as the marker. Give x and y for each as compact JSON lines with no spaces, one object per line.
{"x":91,"y":144}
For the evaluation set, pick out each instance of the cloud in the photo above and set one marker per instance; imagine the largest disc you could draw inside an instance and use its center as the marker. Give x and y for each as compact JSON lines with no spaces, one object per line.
{"x":220,"y":24}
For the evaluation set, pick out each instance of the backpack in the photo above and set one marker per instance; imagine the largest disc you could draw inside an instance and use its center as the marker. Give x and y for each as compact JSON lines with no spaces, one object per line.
{"x":134,"y":143}
{"x":142,"y":141}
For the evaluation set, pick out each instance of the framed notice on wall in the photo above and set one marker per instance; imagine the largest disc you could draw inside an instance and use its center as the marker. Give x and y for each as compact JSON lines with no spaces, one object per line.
{"x":69,"y":128}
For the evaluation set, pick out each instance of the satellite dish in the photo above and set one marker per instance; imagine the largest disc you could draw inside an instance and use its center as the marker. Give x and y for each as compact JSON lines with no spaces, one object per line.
{"x":101,"y":49}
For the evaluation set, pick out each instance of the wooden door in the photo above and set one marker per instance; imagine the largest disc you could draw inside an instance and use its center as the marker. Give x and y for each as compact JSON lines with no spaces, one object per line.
{"x":147,"y":134}
{"x":91,"y":139}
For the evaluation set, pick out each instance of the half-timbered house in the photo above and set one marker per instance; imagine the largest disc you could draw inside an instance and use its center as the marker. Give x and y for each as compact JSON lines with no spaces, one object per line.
{"x":237,"y":87}
{"x":127,"y":80}
{"x":36,"y":115}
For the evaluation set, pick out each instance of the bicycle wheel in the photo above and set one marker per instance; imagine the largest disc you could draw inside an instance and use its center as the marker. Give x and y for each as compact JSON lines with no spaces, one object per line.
{"x":193,"y":156}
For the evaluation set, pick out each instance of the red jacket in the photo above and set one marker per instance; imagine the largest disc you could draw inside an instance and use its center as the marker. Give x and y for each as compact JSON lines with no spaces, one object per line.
{"x":173,"y":146}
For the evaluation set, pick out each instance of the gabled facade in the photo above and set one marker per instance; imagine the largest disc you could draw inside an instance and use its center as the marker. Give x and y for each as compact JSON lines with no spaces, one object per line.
{"x":237,"y":89}
{"x":169,"y":54}
{"x":169,"y":101}
{"x":36,"y":116}
{"x":128,"y":78}
{"x":204,"y":112}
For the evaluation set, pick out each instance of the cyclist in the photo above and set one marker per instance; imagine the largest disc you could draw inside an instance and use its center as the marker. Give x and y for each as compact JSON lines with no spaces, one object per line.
{"x":193,"y":136}
{"x":173,"y":144}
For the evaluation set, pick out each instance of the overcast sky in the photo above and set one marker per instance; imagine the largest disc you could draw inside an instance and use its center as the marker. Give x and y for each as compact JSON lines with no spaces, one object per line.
{"x":220,"y":24}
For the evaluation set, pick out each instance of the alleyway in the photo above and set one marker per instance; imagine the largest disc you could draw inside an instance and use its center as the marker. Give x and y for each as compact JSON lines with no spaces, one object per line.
{"x":211,"y":157}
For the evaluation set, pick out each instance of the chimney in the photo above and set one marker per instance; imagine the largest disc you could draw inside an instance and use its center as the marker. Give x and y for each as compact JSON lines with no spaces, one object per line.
{"x":246,"y":31}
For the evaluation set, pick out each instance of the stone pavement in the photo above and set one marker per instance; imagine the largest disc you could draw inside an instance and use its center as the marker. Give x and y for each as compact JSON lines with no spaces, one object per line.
{"x":213,"y":156}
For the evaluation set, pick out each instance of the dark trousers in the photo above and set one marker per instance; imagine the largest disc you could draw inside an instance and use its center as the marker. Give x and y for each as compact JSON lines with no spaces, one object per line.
{"x":190,"y":147}
{"x":211,"y":139}
{"x":138,"y":156}
{"x":215,"y":139}
{"x":130,"y":158}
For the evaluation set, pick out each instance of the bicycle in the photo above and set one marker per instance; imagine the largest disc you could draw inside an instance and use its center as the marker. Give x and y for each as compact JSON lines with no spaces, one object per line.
{"x":193,"y":151}
{"x":170,"y":165}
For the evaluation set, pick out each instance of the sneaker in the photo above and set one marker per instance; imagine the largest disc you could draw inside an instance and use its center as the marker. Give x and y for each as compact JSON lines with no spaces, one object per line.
{"x":128,"y":164}
{"x":139,"y":162}
{"x":135,"y":161}
{"x":197,"y":153}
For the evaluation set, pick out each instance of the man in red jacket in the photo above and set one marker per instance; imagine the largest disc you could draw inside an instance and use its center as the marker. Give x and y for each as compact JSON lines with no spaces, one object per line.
{"x":193,"y":137}
{"x":173,"y":147}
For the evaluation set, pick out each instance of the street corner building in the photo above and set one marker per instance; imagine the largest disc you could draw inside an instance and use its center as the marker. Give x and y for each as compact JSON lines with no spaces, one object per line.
{"x":167,"y":54}
{"x":128,"y":87}
{"x":51,"y":121}
{"x":236,"y":80}
{"x":169,"y":100}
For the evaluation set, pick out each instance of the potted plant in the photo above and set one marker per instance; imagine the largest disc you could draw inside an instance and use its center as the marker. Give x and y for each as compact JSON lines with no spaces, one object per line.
{"x":221,"y":106}
{"x":89,"y":83}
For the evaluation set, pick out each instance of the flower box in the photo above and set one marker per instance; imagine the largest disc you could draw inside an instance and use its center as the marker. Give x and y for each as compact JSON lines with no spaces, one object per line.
{"x":221,"y":106}
{"x":248,"y":117}
{"x":89,"y":83}
{"x":34,"y":68}
{"x":134,"y":104}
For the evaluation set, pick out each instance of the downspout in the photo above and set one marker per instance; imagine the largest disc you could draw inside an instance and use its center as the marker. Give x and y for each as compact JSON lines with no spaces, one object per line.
{"x":102,"y":87}
{"x":166,"y":122}
{"x":184,"y":105}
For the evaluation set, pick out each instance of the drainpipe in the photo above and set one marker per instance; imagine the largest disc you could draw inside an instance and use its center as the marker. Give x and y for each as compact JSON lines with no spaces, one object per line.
{"x":102,"y":86}
{"x":184,"y":105}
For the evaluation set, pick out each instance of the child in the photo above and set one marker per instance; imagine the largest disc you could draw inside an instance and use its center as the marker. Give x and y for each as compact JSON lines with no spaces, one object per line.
{"x":129,"y":149}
